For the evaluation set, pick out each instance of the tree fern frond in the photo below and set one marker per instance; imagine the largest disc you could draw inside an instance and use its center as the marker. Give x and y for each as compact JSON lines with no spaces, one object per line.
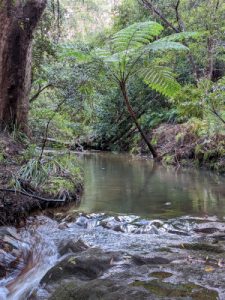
{"x":160,"y":79}
{"x":162,"y":45}
{"x":102,"y":53}
{"x":182,"y":36}
{"x":136,"y":35}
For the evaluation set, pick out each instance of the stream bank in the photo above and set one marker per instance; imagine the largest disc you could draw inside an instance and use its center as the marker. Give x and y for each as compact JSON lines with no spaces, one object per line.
{"x":182,"y":144}
{"x":30,"y":182}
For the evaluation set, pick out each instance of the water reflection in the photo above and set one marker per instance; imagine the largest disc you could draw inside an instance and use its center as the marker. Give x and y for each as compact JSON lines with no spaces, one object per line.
{"x":122,"y":184}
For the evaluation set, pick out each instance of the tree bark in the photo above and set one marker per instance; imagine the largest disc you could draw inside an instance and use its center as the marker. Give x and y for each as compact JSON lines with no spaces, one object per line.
{"x":18,"y":20}
{"x":133,"y":116}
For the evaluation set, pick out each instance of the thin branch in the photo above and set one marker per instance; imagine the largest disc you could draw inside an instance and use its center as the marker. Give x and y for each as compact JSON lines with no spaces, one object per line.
{"x":40,"y":90}
{"x":31,"y":195}
{"x":150,"y":6}
{"x":47,"y":128}
{"x":178,"y":17}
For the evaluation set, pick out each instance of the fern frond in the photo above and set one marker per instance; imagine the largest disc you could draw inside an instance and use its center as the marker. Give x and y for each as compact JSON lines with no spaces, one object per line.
{"x":162,"y":45}
{"x":160,"y":79}
{"x":102,"y":53}
{"x":136,"y":35}
{"x":182,"y":36}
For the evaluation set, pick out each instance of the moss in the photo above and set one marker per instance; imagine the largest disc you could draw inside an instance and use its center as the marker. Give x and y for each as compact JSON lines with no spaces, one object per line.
{"x":1,"y":158}
{"x":57,"y":185}
{"x":199,"y":153}
{"x":180,"y":137}
{"x":154,"y":141}
{"x":201,"y":247}
{"x":164,"y":289}
{"x":161,"y":275}
{"x":168,"y":159}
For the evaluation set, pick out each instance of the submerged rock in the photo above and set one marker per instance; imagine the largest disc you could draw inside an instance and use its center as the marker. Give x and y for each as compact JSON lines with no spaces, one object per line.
{"x":156,"y":260}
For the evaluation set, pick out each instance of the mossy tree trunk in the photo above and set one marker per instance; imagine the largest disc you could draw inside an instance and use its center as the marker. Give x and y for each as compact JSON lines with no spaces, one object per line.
{"x":18,"y":20}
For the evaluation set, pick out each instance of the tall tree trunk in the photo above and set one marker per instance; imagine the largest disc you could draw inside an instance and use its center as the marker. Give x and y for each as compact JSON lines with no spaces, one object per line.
{"x":18,"y":20}
{"x":133,"y":116}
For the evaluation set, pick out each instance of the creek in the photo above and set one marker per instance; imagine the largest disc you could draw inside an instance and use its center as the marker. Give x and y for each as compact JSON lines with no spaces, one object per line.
{"x":142,"y":231}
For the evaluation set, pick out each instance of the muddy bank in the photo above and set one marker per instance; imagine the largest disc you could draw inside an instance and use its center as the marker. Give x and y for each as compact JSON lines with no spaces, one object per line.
{"x":15,"y":207}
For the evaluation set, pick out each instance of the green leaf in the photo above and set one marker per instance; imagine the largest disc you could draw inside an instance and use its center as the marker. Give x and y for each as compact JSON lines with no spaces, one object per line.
{"x":161,"y":79}
{"x":182,"y":36}
{"x":136,"y":35}
{"x":162,"y":45}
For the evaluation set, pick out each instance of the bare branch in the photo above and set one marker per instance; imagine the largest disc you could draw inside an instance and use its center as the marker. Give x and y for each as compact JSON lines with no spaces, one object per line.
{"x":40,"y":90}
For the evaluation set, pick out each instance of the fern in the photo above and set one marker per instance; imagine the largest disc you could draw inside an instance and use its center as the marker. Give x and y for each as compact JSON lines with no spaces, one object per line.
{"x":135,"y":36}
{"x":181,"y":36}
{"x":128,"y":51}
{"x":160,"y":79}
{"x":162,"y":45}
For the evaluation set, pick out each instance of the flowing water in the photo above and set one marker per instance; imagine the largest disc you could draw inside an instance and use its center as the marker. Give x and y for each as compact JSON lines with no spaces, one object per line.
{"x":131,"y":205}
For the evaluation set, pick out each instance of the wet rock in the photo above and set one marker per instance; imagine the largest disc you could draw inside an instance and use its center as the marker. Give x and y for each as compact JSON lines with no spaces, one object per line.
{"x":156,"y":260}
{"x":218,"y":238}
{"x":3,"y":271}
{"x":202,"y":247}
{"x":208,"y":230}
{"x":63,"y":225}
{"x":82,"y":221}
{"x":161,"y":274}
{"x":72,"y":246}
{"x":87,"y":265}
{"x":151,"y":229}
{"x":87,"y":222}
{"x":100,"y":289}
{"x":165,"y":290}
{"x":182,"y":233}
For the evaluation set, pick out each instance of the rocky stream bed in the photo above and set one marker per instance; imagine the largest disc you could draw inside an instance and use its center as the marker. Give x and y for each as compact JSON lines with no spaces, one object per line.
{"x":78,"y":256}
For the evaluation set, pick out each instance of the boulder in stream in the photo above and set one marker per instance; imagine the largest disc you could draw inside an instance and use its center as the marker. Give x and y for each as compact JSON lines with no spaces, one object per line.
{"x":86,"y":265}
{"x":72,"y":246}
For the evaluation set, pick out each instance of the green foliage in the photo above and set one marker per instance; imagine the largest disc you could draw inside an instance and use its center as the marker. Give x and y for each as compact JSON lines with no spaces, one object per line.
{"x":135,"y":36}
{"x":57,"y":176}
{"x":127,"y":48}
{"x":161,"y":79}
{"x":188,"y":102}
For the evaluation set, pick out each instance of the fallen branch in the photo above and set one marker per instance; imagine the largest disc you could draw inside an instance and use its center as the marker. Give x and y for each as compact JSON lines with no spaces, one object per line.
{"x":31,"y":195}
